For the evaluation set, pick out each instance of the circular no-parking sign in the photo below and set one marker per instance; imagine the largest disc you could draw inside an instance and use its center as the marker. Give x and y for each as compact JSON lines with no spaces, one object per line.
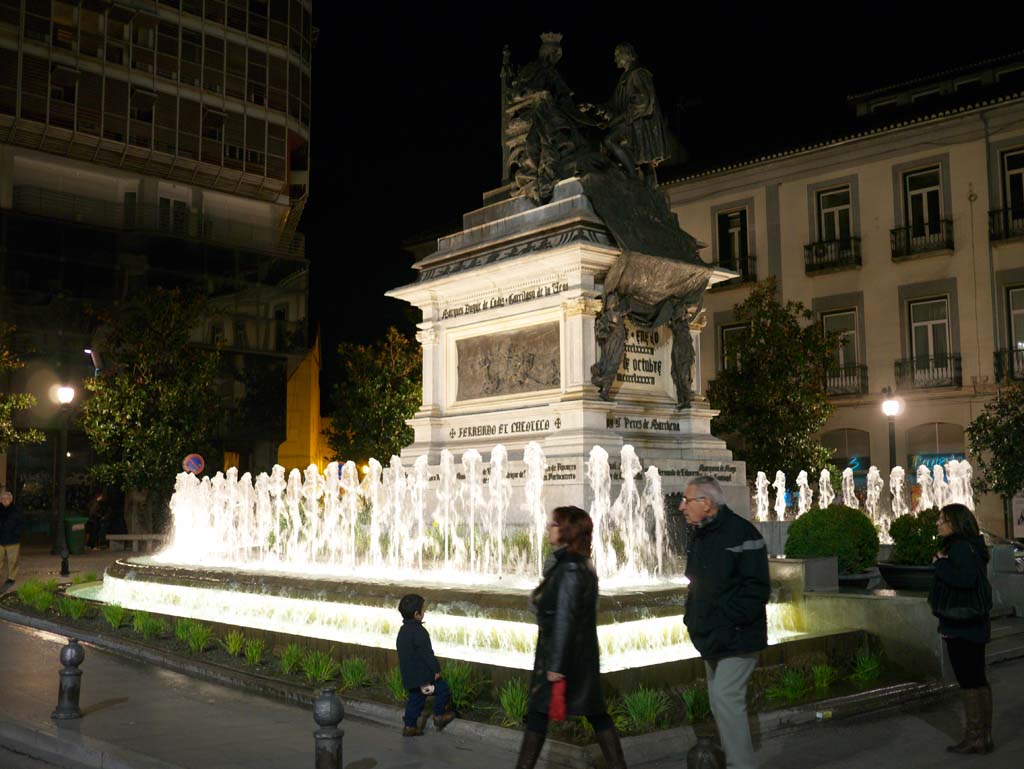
{"x":193,"y":463}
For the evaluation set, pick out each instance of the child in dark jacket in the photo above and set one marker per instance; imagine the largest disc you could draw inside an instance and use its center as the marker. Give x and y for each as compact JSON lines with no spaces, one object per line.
{"x":421,"y":672}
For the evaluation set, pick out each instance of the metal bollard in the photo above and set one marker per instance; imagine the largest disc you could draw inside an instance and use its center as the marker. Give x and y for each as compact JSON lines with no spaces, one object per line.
{"x":71,"y":656}
{"x":705,"y":754}
{"x":328,"y":712}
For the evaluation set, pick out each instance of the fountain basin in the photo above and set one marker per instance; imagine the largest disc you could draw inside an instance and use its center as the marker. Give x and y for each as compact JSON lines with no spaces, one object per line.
{"x":485,"y":624}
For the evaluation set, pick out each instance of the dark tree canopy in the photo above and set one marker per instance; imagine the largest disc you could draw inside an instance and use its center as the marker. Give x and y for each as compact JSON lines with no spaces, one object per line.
{"x":773,"y":402}
{"x":157,"y":399}
{"x":11,"y":401}
{"x":995,"y":438}
{"x":380,"y":390}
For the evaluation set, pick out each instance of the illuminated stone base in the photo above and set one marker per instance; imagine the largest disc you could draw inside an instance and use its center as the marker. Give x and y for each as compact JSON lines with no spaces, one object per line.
{"x":489,"y":625}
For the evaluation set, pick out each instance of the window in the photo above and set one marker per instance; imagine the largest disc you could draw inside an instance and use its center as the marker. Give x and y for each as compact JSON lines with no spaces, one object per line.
{"x":968,"y":85}
{"x":931,"y":444}
{"x":1013,"y":183}
{"x":922,"y":192}
{"x":731,"y":345}
{"x":241,"y":340}
{"x":834,"y":214}
{"x":130,"y":202}
{"x":843,"y":323}
{"x":64,"y":92}
{"x":929,"y":332}
{"x":173,"y":216}
{"x":732,"y":239}
{"x":850,"y":448}
{"x":1015,"y":301}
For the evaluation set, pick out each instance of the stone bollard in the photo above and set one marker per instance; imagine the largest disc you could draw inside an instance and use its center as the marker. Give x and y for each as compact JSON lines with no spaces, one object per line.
{"x":71,"y":656}
{"x":328,"y":713}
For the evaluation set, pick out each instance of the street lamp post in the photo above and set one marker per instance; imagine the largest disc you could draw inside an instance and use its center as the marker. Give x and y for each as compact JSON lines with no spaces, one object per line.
{"x":65,"y":395}
{"x":891,"y":407}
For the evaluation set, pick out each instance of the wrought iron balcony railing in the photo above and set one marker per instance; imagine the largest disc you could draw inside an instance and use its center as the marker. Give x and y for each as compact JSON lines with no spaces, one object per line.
{"x":1009,"y":364}
{"x":920,"y":239}
{"x":745,"y":266}
{"x":1006,"y":223}
{"x":829,"y":255}
{"x":155,"y":220}
{"x":921,"y":373}
{"x":846,"y":380}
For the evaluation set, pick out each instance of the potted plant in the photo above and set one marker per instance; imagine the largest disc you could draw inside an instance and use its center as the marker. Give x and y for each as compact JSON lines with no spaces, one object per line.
{"x":914,"y":543}
{"x":842,"y":531}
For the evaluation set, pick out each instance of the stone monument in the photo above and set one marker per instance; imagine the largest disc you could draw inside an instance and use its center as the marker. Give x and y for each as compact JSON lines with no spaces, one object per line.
{"x":567,"y":309}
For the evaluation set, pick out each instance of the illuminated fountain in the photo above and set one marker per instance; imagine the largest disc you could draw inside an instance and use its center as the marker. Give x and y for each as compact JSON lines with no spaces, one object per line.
{"x":329,"y":555}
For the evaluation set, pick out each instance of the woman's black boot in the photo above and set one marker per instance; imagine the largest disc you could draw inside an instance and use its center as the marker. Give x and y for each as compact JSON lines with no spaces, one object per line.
{"x":611,"y":748}
{"x":529,"y":751}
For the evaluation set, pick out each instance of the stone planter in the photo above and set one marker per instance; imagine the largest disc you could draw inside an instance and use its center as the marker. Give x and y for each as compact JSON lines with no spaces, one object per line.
{"x":899,"y":576}
{"x":858,"y":581}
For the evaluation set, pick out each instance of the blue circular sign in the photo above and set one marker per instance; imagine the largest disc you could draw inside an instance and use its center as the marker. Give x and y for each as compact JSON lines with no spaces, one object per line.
{"x":193,"y":463}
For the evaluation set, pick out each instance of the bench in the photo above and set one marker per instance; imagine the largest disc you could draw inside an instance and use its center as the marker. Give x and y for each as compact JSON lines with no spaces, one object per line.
{"x":145,"y":543}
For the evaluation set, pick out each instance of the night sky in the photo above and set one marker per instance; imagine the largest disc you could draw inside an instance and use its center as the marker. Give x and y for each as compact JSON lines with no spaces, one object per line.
{"x":405,"y":123}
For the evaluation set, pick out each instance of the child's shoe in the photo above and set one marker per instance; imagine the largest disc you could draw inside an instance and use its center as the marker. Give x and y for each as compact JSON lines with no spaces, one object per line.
{"x":412,"y":731}
{"x":441,"y":721}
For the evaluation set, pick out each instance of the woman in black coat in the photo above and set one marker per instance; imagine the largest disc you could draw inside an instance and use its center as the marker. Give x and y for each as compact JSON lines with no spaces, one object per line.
{"x":566,"y":606}
{"x":961,"y":582}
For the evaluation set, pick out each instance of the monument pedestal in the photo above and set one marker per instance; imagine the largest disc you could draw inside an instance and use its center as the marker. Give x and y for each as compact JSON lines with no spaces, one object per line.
{"x":508,"y":336}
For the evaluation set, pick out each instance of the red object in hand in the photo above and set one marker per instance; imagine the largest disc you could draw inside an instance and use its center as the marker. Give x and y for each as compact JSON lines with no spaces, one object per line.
{"x":556,"y":710}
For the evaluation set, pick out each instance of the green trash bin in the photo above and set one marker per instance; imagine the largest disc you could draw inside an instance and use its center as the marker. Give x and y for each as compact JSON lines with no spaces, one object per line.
{"x":74,"y":529}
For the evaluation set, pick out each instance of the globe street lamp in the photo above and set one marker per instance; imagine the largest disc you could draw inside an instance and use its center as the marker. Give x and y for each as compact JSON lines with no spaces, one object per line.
{"x":65,"y":395}
{"x":891,"y":407}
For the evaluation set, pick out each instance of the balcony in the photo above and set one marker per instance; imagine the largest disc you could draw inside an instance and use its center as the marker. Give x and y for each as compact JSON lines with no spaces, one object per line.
{"x":747,"y":268}
{"x":155,"y":220}
{"x":923,"y":373}
{"x":916,"y":239}
{"x":1006,"y":224}
{"x":831,"y":255}
{"x":1009,"y":364}
{"x":846,"y":380}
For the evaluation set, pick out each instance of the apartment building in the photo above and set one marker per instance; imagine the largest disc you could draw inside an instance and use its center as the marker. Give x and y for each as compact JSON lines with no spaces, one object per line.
{"x":905,"y":236}
{"x":144,"y":144}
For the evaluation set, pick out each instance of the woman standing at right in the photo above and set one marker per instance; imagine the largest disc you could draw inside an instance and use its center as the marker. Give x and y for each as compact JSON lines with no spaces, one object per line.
{"x":961,"y":598}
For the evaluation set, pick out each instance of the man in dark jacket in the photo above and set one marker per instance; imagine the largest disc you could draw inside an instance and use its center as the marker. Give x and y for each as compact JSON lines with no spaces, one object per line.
{"x":727,"y":565}
{"x":11,"y":523}
{"x":421,"y":672}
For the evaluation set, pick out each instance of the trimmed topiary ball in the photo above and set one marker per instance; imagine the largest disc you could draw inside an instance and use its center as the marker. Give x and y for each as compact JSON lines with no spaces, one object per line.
{"x":915,"y":539}
{"x":837,"y":530}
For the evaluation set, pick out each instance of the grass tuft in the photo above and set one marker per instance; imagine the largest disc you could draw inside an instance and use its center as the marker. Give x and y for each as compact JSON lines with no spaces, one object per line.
{"x":514,"y":698}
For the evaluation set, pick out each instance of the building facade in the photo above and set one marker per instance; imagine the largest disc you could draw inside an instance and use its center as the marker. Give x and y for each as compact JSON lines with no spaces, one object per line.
{"x":906,"y":238}
{"x":148,"y":144}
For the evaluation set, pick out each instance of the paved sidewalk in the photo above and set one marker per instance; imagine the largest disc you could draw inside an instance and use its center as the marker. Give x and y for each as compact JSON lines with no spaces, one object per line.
{"x":134,"y":711}
{"x":37,"y":563}
{"x":142,"y":717}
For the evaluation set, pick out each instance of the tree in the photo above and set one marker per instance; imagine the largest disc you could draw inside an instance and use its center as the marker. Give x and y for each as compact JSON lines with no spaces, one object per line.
{"x":157,"y":401}
{"x":11,"y":401}
{"x":995,"y":442}
{"x":380,"y":390}
{"x":774,"y":397}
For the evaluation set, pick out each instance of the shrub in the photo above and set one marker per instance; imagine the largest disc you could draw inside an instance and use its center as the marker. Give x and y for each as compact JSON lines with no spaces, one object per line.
{"x":837,"y":530}
{"x":514,"y":698}
{"x":291,"y":658}
{"x":319,"y":667}
{"x":146,"y":625}
{"x":354,"y":672}
{"x":914,"y":538}
{"x":89,"y":576}
{"x":255,"y":648}
{"x":182,"y":628}
{"x":394,"y":685}
{"x":114,"y":614}
{"x":465,"y":683}
{"x":698,"y":703}
{"x":198,"y":637}
{"x":866,"y":667}
{"x":790,"y":687}
{"x":644,"y":709}
{"x":71,"y":607}
{"x":35,"y":594}
{"x":233,"y":642}
{"x":51,"y":585}
{"x":824,"y":676}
